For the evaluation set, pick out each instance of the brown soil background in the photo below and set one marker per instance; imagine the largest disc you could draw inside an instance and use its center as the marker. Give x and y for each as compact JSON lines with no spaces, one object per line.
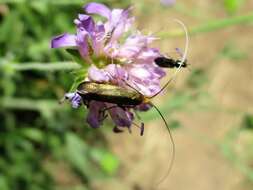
{"x":199,"y":163}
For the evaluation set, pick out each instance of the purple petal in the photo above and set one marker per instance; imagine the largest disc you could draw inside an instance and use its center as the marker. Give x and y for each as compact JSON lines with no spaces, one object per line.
{"x":135,"y":45}
{"x":97,"y":75}
{"x":148,"y":55}
{"x":116,"y":17}
{"x":143,"y":107}
{"x":74,"y":98}
{"x":116,"y":72}
{"x":95,"y":116}
{"x":121,"y":117}
{"x":97,"y":38}
{"x":119,"y":16}
{"x":119,"y":23}
{"x":157,"y":71}
{"x":85,"y":22}
{"x":168,"y":2}
{"x":100,"y":28}
{"x":147,"y":88}
{"x":82,"y":42}
{"x":63,"y":40}
{"x":98,"y":8}
{"x":141,"y":72}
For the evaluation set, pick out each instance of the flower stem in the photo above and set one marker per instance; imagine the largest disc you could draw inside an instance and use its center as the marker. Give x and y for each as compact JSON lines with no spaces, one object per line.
{"x":43,"y":106}
{"x":41,"y":66}
{"x":28,"y":104}
{"x":210,"y":26}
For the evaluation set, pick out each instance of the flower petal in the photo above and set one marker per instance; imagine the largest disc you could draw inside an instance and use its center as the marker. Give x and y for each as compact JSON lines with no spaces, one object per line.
{"x":95,"y":116}
{"x":121,"y":117}
{"x":97,"y":75}
{"x":74,"y":98}
{"x":134,"y":45}
{"x":85,"y":22}
{"x":116,"y":72}
{"x":82,"y":42}
{"x":147,"y":88}
{"x":97,"y":38}
{"x":140,"y":72}
{"x":98,"y":8}
{"x":168,"y":2}
{"x":158,"y":72}
{"x":143,"y":107}
{"x":119,"y":23}
{"x":148,"y":55}
{"x":63,"y":40}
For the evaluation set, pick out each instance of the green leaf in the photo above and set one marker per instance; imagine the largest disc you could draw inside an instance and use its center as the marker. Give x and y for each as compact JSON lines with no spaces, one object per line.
{"x":232,"y":6}
{"x":33,"y":134}
{"x":3,"y":183}
{"x":248,"y":121}
{"x":107,"y":161}
{"x":76,"y":150}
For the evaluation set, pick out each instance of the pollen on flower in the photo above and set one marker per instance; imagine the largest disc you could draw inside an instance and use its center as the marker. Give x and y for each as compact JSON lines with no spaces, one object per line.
{"x":115,"y":53}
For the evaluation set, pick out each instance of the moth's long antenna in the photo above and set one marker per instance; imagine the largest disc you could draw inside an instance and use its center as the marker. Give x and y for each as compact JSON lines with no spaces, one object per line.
{"x":182,"y":59}
{"x":173,"y":146}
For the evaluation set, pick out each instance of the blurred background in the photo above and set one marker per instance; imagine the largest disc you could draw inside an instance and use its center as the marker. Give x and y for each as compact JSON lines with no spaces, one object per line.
{"x":47,"y":146}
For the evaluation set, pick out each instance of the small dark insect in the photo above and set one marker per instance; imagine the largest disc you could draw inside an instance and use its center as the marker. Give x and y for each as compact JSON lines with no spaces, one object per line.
{"x":170,"y":62}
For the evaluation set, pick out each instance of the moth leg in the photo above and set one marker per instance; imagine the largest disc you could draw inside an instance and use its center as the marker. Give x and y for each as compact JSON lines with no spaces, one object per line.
{"x":141,"y":127}
{"x":102,"y":113}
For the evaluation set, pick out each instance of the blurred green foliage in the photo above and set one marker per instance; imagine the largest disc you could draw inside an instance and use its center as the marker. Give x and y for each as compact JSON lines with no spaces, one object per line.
{"x":36,"y":133}
{"x":238,"y":144}
{"x":232,"y":6}
{"x":248,"y":121}
{"x":233,"y":53}
{"x":197,"y":78}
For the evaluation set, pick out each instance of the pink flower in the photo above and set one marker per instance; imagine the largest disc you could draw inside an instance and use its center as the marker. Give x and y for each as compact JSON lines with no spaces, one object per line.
{"x":124,"y":60}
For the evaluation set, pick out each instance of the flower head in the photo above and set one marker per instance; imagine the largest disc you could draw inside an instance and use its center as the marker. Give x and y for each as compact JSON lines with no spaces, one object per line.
{"x":115,"y":53}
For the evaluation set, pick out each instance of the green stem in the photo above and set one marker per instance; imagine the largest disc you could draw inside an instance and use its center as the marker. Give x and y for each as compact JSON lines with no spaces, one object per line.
{"x":210,"y":26}
{"x":57,"y":2}
{"x":42,"y":66}
{"x":28,"y":104}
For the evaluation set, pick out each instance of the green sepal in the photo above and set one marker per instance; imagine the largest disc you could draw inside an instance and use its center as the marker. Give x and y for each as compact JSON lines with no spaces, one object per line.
{"x":76,"y":56}
{"x":80,"y":75}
